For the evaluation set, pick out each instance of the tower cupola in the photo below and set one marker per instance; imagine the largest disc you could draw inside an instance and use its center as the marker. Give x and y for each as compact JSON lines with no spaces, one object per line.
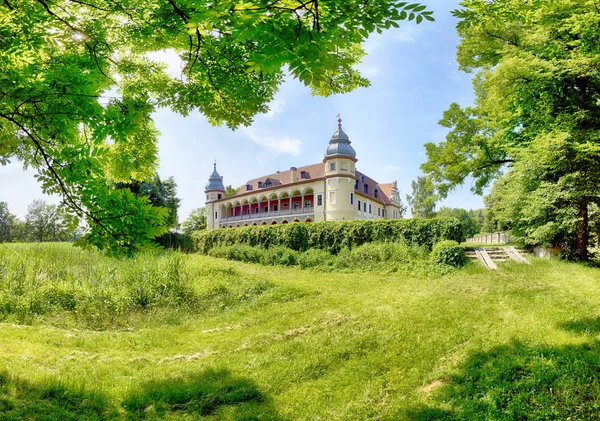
{"x":215,"y":181}
{"x":339,"y":145}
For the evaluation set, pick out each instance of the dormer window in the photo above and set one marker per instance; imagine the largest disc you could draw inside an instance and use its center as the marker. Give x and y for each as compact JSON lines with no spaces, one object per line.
{"x":366,"y":188}
{"x":356,"y":185}
{"x":248,"y":187}
{"x":268,"y":183}
{"x":362,"y":178}
{"x":303,"y":174}
{"x":376,"y":192}
{"x":260,"y":185}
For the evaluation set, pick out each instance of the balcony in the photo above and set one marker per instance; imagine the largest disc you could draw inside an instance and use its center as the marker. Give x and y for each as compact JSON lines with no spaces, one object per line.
{"x":265,"y":215}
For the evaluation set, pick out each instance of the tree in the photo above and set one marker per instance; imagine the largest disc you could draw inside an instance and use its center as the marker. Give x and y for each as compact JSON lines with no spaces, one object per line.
{"x":46,"y":222}
{"x":160,"y":193}
{"x":78,"y":87}
{"x":230,"y":191}
{"x":196,"y":221}
{"x":423,"y":199}
{"x":8,"y":224}
{"x":469,"y":227}
{"x":536,"y":116}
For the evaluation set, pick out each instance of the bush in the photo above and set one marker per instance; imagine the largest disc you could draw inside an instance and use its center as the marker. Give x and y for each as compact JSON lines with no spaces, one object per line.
{"x":448,"y":253}
{"x":333,"y":236}
{"x":314,"y":258}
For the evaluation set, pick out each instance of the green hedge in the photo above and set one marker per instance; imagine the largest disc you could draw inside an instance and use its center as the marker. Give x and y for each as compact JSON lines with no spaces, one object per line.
{"x":333,"y":236}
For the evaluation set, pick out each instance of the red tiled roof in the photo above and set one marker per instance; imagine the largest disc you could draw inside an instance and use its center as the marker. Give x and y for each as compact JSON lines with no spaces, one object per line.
{"x":316,"y":172}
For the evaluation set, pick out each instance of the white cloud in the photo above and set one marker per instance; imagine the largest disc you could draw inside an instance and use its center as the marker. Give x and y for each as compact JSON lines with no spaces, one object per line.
{"x":171,"y":59}
{"x":284,"y":145}
{"x":277,"y":106}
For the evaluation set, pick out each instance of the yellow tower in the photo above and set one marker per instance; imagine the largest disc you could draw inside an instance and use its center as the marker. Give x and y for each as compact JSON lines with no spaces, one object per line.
{"x":340,"y":177}
{"x":214,"y":191}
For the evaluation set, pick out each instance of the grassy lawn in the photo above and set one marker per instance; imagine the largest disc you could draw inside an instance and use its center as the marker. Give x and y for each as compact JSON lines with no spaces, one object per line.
{"x":275,"y":343}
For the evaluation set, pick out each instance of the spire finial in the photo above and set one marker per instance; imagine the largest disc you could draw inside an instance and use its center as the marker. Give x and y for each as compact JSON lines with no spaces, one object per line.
{"x":215,"y":165}
{"x":339,"y":119}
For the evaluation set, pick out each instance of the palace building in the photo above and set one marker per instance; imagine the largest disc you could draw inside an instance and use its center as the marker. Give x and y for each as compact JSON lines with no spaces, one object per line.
{"x":333,"y":190}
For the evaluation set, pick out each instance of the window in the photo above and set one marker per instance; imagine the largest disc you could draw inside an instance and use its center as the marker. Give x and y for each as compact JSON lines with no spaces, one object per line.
{"x":320,"y":200}
{"x":351,"y":198}
{"x":296,"y":205}
{"x":370,"y":208}
{"x":356,"y":185}
{"x":268,"y":183}
{"x":248,"y":187}
{"x":359,"y":205}
{"x":365,"y":207}
{"x":266,"y":209}
{"x":207,"y":197}
{"x":332,"y":197}
{"x":219,"y":196}
{"x":303,"y":174}
{"x":383,"y":213}
{"x":376,"y":192}
{"x":378,"y":211}
{"x":366,"y":188}
{"x":332,"y":166}
{"x":257,"y":209}
{"x":275,"y":208}
{"x":260,"y":184}
{"x":216,"y":215}
{"x":307,"y":203}
{"x":285,"y":205}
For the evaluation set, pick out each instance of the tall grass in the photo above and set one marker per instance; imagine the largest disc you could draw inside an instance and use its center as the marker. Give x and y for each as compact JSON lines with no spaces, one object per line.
{"x":84,"y":287}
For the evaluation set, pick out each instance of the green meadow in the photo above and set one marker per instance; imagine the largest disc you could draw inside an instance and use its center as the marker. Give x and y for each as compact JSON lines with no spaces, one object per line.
{"x":187,"y":337}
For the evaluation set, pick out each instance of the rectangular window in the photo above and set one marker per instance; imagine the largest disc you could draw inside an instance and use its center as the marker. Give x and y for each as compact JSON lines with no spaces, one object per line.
{"x":332,"y":166}
{"x":366,"y":188}
{"x":303,"y":174}
{"x":365,"y":207}
{"x":332,"y":197}
{"x":266,"y":209}
{"x":275,"y":208}
{"x":351,"y":198}
{"x":370,"y":209}
{"x":296,"y":205}
{"x":320,"y":200}
{"x":378,"y":211}
{"x":257,"y":209}
{"x":219,"y":195}
{"x":356,"y":185}
{"x":216,"y":215}
{"x":359,"y":205}
{"x":307,"y":203}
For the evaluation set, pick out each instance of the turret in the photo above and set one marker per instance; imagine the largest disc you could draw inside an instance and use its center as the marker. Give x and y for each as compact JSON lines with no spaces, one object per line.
{"x":215,"y":191}
{"x":340,"y":160}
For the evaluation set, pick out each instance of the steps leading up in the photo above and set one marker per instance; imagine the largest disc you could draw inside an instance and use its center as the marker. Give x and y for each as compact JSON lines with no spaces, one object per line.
{"x":489,"y":256}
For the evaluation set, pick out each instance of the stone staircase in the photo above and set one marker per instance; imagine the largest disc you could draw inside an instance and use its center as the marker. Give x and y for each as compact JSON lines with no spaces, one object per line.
{"x":489,"y":256}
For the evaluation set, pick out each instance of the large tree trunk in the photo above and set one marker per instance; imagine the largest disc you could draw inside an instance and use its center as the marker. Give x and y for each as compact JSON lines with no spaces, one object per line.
{"x":582,"y":229}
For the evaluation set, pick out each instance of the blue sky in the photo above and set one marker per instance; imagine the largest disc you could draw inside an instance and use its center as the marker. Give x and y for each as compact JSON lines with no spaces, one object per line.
{"x":414,"y":78}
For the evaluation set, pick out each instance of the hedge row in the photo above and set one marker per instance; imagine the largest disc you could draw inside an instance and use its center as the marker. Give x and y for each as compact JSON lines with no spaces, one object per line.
{"x":333,"y":236}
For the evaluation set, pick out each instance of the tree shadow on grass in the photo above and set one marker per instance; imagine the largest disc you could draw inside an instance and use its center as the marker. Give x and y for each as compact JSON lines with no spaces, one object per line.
{"x":589,"y":325}
{"x":212,"y":392}
{"x":23,"y":400}
{"x":518,"y":382}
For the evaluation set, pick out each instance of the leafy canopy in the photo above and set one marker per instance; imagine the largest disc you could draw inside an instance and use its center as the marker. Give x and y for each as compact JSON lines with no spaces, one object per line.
{"x":78,"y":87}
{"x":536,"y":114}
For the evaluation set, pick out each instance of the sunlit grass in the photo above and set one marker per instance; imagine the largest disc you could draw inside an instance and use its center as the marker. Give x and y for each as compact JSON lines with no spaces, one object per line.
{"x":300,"y":344}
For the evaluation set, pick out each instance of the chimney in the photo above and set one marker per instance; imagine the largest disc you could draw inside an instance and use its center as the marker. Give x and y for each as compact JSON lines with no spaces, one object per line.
{"x":293,"y":174}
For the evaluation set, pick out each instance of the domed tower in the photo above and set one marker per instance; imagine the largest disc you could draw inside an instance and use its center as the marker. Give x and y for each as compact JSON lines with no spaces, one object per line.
{"x":215,"y":191}
{"x":340,"y":160}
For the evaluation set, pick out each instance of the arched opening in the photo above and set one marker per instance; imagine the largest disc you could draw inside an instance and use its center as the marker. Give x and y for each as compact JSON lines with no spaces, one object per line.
{"x":254,"y":224}
{"x":296,"y":220}
{"x":284,"y":222}
{"x":264,"y":223}
{"x":274,"y":223}
{"x":308,"y":220}
{"x":245,"y":225}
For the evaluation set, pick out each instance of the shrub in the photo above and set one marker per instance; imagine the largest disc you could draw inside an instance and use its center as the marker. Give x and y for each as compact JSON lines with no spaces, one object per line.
{"x":279,"y":256}
{"x":333,"y":236}
{"x":315,"y":258}
{"x":448,"y":253}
